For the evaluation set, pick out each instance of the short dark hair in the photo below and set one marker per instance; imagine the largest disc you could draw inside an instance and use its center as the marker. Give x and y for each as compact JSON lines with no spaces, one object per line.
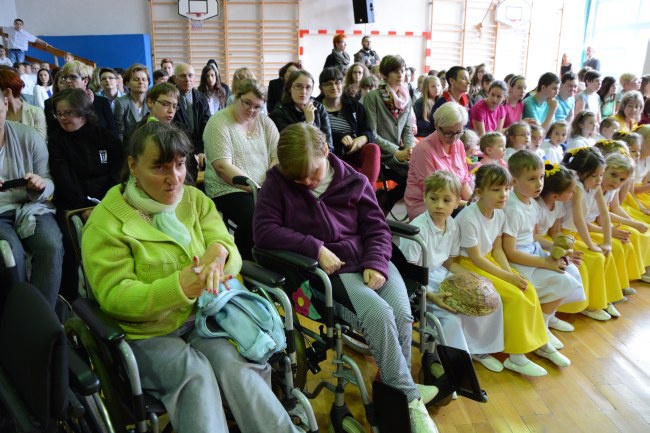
{"x":391,"y":64}
{"x":330,"y":74}
{"x":546,"y":80}
{"x":18,"y":20}
{"x":452,"y":73}
{"x":283,"y":70}
{"x":78,"y":101}
{"x":568,"y":76}
{"x":591,"y":75}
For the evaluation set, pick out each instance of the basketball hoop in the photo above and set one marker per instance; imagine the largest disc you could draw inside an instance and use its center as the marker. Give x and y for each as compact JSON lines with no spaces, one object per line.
{"x":196,"y":21}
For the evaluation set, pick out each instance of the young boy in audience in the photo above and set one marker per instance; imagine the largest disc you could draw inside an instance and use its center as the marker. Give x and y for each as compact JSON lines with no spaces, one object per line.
{"x":493,"y":146}
{"x":566,"y":101}
{"x":554,"y":279}
{"x":608,"y":127}
{"x":480,"y":336}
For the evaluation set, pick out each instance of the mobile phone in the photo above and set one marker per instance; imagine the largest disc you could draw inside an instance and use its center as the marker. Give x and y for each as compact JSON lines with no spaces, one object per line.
{"x":14,"y":183}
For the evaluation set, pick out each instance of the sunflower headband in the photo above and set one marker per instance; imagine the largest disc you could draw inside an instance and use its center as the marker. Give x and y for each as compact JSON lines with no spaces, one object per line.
{"x":577,"y":150}
{"x":550,"y":168}
{"x":622,"y":133}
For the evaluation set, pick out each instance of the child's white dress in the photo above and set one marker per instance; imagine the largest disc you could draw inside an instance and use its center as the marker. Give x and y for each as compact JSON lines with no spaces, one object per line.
{"x":477,"y":335}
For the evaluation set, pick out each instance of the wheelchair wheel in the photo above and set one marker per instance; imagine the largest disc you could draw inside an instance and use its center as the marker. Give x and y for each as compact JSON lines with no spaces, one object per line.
{"x":350,"y":425}
{"x":85,"y":344}
{"x":300,"y":377}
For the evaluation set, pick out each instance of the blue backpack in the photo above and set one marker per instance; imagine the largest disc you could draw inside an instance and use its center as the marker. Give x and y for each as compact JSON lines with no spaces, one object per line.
{"x":249,"y":320}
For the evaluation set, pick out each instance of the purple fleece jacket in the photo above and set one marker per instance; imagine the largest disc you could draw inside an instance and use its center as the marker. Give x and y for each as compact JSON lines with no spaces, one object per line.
{"x":346,"y":219}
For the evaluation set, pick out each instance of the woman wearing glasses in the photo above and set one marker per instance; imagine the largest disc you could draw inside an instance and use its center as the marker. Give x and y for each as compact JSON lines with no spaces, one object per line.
{"x":442,"y":150}
{"x":351,"y":135}
{"x":297,"y":105}
{"x":239,"y":142}
{"x":85,"y":161}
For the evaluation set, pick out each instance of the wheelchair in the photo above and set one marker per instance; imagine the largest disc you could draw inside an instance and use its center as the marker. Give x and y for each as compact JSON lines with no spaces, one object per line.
{"x":97,"y":337}
{"x":450,"y":369}
{"x":44,"y":385}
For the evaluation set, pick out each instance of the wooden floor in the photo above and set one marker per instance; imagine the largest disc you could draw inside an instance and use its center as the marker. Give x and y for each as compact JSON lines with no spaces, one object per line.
{"x":605,"y":390}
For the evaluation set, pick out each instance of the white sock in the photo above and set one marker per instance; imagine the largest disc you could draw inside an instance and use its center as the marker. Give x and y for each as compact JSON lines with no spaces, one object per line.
{"x":552,"y":318}
{"x":519,"y":359}
{"x":548,"y":348}
{"x":547,"y":318}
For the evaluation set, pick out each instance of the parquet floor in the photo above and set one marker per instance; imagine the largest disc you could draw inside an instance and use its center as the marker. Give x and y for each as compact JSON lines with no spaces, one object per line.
{"x":605,"y":390}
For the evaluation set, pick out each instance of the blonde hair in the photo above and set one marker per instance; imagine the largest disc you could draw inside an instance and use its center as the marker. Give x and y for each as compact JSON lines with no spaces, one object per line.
{"x":300,"y":145}
{"x":427,"y":102}
{"x":524,"y":160}
{"x":441,"y":179}
{"x":609,"y":147}
{"x":489,"y":139}
{"x":620,"y":162}
{"x":514,"y":130}
{"x":554,"y":125}
{"x":240,"y":75}
{"x":628,"y":137}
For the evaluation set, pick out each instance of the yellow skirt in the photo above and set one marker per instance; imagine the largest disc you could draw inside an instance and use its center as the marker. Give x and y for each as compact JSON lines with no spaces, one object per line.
{"x":641,"y":241}
{"x":599,"y":276}
{"x":523,"y":322}
{"x":625,"y":258}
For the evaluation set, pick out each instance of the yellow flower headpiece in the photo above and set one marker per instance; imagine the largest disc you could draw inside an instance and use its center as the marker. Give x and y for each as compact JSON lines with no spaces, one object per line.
{"x":551,"y":168}
{"x":636,"y":128}
{"x":473,"y":172}
{"x":622,"y":133}
{"x":606,"y":143}
{"x":577,"y":150}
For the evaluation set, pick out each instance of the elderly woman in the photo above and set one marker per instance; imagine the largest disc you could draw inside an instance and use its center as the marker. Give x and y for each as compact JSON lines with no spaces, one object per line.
{"x":339,"y":58}
{"x":239,"y":142}
{"x":350,"y":133}
{"x":629,"y":110}
{"x":297,"y":105}
{"x":442,"y":150}
{"x":316,"y":205}
{"x":85,"y":161}
{"x":26,"y":215}
{"x":210,"y":85}
{"x":20,"y":111}
{"x":132,"y":107}
{"x":150,"y":248}
{"x":389,"y":118}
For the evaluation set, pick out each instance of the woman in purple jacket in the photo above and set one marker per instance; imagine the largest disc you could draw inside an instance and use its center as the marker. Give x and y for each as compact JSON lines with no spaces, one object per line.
{"x":314,"y":204}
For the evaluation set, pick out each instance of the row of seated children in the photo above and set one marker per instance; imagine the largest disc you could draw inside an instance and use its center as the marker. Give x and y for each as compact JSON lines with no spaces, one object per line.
{"x":505,"y":236}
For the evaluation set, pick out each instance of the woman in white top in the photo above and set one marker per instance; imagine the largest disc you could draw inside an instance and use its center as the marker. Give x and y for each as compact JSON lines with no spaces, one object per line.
{"x":43,"y":88}
{"x":239,"y":142}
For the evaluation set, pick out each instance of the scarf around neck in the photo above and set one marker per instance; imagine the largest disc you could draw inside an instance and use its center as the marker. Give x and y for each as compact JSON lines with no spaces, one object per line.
{"x":164,"y":215}
{"x":394,"y":101}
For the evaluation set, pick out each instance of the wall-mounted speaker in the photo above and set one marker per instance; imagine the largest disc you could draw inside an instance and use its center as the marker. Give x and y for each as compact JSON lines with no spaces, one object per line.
{"x":364,"y":11}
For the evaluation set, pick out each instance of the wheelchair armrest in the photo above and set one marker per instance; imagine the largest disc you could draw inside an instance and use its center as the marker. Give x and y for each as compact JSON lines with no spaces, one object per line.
{"x":100,"y":323}
{"x":82,"y":378}
{"x":399,"y":228}
{"x":289,"y":258}
{"x":255,"y":272}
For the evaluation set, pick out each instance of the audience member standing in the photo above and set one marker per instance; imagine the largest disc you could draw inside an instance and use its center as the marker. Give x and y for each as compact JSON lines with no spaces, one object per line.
{"x":18,"y":40}
{"x":366,"y":54}
{"x":339,"y":58}
{"x":193,"y":111}
{"x":591,"y":61}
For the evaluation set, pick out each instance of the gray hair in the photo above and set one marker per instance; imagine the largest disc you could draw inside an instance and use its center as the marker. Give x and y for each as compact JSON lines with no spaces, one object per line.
{"x":449,"y":114}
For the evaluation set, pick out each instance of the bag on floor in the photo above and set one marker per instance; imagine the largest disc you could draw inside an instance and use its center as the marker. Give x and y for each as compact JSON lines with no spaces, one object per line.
{"x":250,"y":321}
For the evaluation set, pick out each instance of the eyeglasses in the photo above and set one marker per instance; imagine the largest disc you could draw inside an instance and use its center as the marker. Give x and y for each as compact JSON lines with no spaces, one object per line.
{"x":71,"y":77}
{"x":250,"y":106}
{"x":300,"y":88}
{"x":168,"y":104}
{"x":331,"y":84}
{"x":450,"y":134}
{"x":66,"y":114}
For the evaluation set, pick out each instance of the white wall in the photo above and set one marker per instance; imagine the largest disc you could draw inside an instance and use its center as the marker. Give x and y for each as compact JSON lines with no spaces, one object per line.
{"x":8,"y":8}
{"x":390,"y":15}
{"x":83,"y":17}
